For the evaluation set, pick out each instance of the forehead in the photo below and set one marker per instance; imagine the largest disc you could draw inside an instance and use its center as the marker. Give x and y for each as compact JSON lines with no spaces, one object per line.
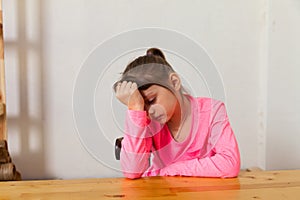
{"x":153,"y":89}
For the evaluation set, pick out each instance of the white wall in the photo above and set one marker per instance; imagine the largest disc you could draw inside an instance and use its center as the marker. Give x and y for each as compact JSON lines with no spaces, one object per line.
{"x":283,"y":127}
{"x":46,"y":43}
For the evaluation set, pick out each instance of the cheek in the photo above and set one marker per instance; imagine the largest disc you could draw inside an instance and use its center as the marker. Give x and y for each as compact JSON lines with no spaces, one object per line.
{"x":171,"y":107}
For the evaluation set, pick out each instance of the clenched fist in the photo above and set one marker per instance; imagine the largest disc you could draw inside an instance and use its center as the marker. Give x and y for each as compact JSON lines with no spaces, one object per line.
{"x":128,"y":94}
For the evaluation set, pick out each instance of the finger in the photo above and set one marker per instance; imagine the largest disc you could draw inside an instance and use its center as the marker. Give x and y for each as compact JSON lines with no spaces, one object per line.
{"x":118,"y":87}
{"x":128,"y":86}
{"x":123,"y":85}
{"x":134,"y":86}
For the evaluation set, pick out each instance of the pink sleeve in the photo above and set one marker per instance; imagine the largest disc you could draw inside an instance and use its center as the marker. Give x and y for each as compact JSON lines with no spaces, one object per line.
{"x":224,"y":158}
{"x":136,"y":145}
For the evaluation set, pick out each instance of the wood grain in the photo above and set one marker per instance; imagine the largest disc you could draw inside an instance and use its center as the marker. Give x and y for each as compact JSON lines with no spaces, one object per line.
{"x":249,"y":185}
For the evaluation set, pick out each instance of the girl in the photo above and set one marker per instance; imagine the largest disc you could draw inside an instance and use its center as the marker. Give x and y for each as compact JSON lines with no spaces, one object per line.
{"x":167,"y":131}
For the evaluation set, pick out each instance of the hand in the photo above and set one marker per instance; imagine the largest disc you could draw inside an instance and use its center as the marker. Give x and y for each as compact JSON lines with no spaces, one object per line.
{"x":128,"y":94}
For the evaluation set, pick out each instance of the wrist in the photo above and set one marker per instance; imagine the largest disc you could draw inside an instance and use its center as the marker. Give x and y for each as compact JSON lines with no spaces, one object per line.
{"x":138,"y":107}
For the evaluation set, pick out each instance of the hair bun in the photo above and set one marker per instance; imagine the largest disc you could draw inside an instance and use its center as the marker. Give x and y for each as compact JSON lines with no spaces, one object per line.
{"x":155,"y":52}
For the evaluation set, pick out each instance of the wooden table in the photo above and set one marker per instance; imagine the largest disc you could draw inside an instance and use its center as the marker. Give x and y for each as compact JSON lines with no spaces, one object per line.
{"x":269,"y":185}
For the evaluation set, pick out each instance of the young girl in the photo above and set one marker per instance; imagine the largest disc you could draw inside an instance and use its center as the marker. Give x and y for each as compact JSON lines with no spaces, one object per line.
{"x":167,"y":131}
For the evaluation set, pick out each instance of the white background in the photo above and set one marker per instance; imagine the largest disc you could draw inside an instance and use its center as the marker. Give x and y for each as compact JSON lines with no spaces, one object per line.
{"x":254,"y":44}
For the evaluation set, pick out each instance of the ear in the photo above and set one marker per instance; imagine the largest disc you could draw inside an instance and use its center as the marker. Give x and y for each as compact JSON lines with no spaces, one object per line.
{"x":175,"y":81}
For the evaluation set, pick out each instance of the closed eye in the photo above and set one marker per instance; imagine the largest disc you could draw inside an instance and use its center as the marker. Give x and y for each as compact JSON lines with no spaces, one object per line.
{"x":151,"y":101}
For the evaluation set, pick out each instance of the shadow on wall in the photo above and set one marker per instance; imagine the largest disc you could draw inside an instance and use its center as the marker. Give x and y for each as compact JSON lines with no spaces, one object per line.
{"x":28,"y":127}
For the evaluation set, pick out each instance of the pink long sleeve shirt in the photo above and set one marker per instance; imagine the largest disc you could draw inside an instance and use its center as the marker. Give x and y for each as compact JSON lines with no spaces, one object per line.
{"x":209,"y":150}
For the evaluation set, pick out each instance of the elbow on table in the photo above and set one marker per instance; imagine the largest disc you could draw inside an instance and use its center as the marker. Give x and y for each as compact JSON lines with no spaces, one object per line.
{"x":131,"y":171}
{"x":231,"y":170}
{"x":231,"y":173}
{"x":132,"y":175}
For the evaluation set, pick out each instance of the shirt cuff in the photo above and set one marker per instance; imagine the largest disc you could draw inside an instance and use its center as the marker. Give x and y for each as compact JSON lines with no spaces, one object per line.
{"x":137,"y":117}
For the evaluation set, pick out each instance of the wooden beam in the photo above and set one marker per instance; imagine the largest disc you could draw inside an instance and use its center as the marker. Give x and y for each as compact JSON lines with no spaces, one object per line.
{"x":3,"y":134}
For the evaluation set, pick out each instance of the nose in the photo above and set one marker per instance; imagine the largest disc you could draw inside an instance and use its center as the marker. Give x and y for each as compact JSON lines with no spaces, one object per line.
{"x":151,"y":110}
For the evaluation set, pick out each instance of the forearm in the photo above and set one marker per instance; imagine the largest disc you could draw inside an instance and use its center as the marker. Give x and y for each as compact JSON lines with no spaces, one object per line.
{"x":135,"y":156}
{"x":216,"y":166}
{"x":136,"y":145}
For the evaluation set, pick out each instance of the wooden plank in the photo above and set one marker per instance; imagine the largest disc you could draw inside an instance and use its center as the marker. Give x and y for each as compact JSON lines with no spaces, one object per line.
{"x":249,"y":185}
{"x":7,"y":170}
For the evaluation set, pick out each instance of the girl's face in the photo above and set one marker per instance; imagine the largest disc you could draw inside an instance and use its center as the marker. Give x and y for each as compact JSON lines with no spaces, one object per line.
{"x":160,"y":103}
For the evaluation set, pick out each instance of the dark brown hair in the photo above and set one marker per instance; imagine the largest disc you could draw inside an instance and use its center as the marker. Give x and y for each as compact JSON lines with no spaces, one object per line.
{"x":147,"y":70}
{"x":153,"y":55}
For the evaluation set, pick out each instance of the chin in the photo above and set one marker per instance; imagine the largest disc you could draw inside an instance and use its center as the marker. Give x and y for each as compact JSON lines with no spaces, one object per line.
{"x":163,"y":121}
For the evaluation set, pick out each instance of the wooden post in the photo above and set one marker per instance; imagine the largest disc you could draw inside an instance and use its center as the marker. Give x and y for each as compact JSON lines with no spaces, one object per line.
{"x":8,"y":170}
{"x":3,"y":135}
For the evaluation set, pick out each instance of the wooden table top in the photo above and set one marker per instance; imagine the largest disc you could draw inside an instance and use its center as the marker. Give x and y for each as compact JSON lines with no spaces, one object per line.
{"x":271,"y":185}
